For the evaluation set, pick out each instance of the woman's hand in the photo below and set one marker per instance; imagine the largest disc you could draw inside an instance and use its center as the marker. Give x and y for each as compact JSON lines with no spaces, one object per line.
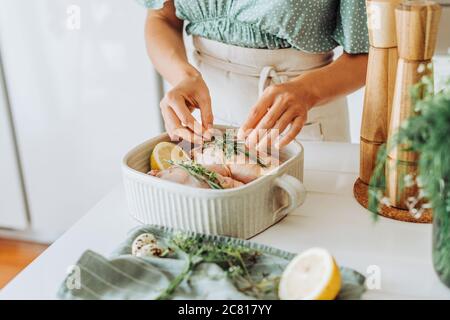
{"x":280,"y":105}
{"x":165,"y":46}
{"x":179,"y":103}
{"x":289,"y":103}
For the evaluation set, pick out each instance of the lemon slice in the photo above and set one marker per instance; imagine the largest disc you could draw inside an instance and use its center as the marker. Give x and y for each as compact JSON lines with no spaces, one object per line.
{"x":165,"y":151}
{"x":312,"y":275}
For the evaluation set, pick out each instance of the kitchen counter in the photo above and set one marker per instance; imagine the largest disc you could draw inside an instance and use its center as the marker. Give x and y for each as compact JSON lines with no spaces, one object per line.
{"x":395,"y":255}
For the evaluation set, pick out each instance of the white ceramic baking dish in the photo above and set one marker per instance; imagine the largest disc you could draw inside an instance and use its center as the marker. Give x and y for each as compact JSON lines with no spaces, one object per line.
{"x":241,"y":212}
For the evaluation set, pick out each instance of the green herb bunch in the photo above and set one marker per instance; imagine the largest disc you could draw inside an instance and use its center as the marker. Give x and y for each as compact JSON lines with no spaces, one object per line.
{"x":199,"y":172}
{"x":231,"y":147}
{"x":236,"y":260}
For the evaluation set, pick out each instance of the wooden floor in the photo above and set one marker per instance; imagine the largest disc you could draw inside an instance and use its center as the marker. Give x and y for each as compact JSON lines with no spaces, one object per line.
{"x":16,"y":255}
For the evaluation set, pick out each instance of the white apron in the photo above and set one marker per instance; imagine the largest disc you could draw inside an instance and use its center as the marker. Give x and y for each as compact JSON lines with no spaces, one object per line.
{"x":237,"y":76}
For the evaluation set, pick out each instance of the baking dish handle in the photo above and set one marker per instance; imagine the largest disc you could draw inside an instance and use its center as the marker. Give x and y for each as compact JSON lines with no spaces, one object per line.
{"x":296,"y":192}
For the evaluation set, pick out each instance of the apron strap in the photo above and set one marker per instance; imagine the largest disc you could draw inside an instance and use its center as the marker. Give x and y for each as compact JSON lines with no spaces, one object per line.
{"x":268,"y":76}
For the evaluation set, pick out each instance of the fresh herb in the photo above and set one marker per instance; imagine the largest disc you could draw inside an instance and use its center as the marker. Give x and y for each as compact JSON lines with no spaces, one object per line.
{"x":199,"y":172}
{"x":231,"y":147}
{"x":236,"y":260}
{"x":428,"y":134}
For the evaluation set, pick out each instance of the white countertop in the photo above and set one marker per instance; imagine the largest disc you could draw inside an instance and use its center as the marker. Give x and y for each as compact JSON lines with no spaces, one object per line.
{"x":330,"y":218}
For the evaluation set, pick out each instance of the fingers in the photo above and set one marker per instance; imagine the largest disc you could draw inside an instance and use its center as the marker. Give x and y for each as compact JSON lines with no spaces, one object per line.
{"x":178,"y":105}
{"x":254,"y":137}
{"x":295,"y":129}
{"x":174,"y":127}
{"x":207,"y":117}
{"x":206,"y":112}
{"x":257,"y":112}
{"x":267,"y":122}
{"x":180,"y":123}
{"x":186,"y":134}
{"x":272,"y":116}
{"x":280,"y":126}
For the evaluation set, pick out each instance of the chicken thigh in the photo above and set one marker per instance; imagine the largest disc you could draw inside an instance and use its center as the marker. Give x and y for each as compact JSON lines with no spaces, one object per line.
{"x":179,"y":175}
{"x":240,"y":166}
{"x":182,"y":176}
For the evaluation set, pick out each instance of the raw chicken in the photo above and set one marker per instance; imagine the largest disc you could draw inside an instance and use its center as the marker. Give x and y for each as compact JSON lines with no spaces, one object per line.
{"x":240,"y":166}
{"x":221,"y":169}
{"x":228,"y":183}
{"x":181,"y":176}
{"x":246,"y":173}
{"x":219,"y":165}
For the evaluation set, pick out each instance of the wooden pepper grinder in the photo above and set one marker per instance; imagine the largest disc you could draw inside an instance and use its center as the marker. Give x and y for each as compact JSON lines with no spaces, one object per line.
{"x":380,"y":83}
{"x":417,"y":25}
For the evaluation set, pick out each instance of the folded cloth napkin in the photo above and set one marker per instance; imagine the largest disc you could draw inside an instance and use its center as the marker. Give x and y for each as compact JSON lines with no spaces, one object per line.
{"x":124,"y":276}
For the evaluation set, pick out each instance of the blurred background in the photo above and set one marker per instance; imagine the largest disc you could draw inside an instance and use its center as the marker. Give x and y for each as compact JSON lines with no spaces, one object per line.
{"x":76,"y":93}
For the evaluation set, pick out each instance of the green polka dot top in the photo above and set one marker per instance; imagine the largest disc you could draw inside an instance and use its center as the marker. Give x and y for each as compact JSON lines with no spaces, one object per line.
{"x":313,"y":26}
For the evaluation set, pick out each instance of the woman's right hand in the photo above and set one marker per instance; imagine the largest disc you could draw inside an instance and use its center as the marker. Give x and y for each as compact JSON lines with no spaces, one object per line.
{"x":178,"y":104}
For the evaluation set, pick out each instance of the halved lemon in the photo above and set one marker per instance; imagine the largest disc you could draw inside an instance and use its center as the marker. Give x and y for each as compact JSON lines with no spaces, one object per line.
{"x":312,"y":275}
{"x":163,"y":153}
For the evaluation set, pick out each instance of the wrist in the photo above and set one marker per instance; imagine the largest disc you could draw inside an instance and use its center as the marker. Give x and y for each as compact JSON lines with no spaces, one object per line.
{"x":188,"y":72}
{"x":308,"y":93}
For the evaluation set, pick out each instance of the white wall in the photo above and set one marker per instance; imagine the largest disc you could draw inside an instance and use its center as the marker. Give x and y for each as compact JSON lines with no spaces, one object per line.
{"x":355,"y":105}
{"x":443,"y":37}
{"x":80,"y":100}
{"x":12,"y":201}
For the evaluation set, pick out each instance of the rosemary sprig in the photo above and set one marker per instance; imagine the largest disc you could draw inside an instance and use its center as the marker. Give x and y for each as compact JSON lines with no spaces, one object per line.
{"x":169,"y":291}
{"x":258,"y":159}
{"x":199,"y":172}
{"x":236,"y":260}
{"x":231,"y":147}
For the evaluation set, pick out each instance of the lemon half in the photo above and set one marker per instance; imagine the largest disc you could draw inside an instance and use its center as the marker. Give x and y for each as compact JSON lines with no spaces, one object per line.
{"x":312,"y":275}
{"x":165,"y":151}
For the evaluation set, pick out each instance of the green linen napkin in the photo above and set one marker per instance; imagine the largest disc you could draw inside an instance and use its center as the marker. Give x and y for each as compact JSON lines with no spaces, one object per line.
{"x":124,"y":276}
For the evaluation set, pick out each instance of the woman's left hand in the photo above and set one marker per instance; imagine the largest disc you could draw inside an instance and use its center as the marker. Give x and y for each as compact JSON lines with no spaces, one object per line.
{"x":280,"y":105}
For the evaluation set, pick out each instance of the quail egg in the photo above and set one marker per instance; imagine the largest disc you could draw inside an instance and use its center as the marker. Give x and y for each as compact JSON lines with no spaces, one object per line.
{"x":141,"y":241}
{"x":150,"y":250}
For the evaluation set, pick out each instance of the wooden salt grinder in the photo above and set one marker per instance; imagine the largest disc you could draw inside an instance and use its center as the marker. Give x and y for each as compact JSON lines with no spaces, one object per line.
{"x":381,"y":72}
{"x":417,"y":25}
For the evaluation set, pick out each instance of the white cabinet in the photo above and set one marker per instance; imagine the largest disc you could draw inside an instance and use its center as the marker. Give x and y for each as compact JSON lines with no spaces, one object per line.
{"x":12,"y":201}
{"x":80,"y":97}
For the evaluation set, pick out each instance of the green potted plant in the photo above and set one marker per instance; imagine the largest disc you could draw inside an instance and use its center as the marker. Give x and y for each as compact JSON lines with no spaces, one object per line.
{"x":428,"y":134}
